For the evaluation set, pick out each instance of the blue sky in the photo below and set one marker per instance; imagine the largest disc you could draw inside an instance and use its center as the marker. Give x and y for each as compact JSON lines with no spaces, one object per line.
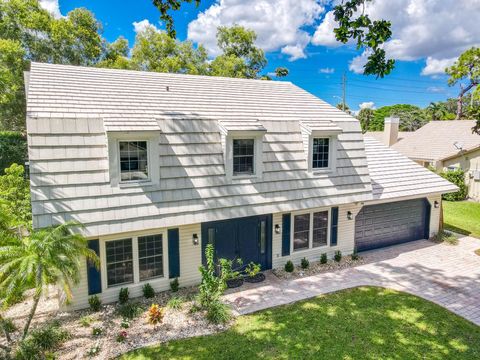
{"x":318,"y":62}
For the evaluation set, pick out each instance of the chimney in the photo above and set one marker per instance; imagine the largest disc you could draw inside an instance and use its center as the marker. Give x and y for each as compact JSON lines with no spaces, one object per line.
{"x":390,"y":131}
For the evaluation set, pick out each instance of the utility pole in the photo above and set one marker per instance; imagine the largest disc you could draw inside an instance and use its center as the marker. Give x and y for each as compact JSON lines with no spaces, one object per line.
{"x":344,"y":86}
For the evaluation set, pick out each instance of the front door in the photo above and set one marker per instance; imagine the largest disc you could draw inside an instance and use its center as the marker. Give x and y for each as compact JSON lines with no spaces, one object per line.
{"x":247,"y":238}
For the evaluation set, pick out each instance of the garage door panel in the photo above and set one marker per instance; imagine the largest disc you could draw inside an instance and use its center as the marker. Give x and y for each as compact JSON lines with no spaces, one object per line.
{"x":391,"y":223}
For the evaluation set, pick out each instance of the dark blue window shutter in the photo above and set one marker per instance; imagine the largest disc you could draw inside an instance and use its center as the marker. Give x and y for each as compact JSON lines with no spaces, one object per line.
{"x":426,"y":227}
{"x":286,"y":234}
{"x":334,"y":227}
{"x":173,"y":253}
{"x":93,"y":274}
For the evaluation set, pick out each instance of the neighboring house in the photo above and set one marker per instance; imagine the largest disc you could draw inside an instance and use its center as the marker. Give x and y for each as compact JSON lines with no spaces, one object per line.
{"x":156,"y":166}
{"x":440,"y":144}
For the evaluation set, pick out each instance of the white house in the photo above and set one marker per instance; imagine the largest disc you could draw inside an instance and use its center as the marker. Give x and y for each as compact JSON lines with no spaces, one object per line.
{"x":157,"y":165}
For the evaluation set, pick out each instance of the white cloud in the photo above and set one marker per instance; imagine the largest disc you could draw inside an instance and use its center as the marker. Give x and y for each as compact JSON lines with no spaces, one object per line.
{"x":437,"y":66}
{"x":367,"y":105}
{"x":294,"y":51}
{"x":52,"y":7}
{"x":436,"y":89}
{"x":277,"y":23}
{"x":437,"y":29}
{"x":139,"y":26}
{"x":326,"y":70}
{"x":358,"y":62}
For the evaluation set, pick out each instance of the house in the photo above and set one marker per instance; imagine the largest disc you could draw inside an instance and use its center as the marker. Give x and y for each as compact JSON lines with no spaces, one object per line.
{"x":156,"y":166}
{"x":442,"y":145}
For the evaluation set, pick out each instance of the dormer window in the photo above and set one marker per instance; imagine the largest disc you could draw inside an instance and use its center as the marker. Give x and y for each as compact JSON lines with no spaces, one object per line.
{"x":320,"y":153}
{"x":133,"y":161}
{"x":243,"y":157}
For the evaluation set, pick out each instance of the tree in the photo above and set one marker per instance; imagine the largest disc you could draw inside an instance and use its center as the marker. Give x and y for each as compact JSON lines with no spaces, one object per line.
{"x":347,"y":108}
{"x":156,"y":51}
{"x":164,"y":6}
{"x":47,"y":256}
{"x":281,"y":72}
{"x":15,"y":194}
{"x":116,"y":55}
{"x":437,"y":110}
{"x":365,"y":115}
{"x":238,"y":45}
{"x":411,"y":117}
{"x":467,"y":67}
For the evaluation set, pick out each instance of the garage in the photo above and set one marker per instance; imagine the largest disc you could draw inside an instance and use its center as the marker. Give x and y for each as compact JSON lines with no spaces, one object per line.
{"x":392,"y":223}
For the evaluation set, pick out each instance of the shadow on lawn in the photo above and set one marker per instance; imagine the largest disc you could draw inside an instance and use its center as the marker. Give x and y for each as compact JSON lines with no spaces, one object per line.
{"x":359,"y":323}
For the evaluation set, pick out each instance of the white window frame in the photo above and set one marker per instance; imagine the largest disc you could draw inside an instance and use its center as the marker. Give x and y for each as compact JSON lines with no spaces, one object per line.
{"x":136,"y":262}
{"x":257,"y":154}
{"x":153,"y":157}
{"x":332,"y":153}
{"x":310,"y":230}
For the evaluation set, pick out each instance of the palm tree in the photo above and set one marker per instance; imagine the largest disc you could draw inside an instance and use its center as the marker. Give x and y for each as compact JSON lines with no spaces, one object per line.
{"x":436,"y":110}
{"x":47,"y":256}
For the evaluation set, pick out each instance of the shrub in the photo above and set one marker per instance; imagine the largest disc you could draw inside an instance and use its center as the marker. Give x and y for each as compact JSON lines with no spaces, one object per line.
{"x":323,"y":258}
{"x":174,"y":285}
{"x":85,"y":321}
{"x":304,"y":263}
{"x":155,"y":315}
{"x":218,"y":313}
{"x":175,"y":302}
{"x":355,"y":255}
{"x":125,"y":324}
{"x":253,"y":269}
{"x":212,"y":286}
{"x":122,"y":336}
{"x":227,"y":270}
{"x":289,"y":266}
{"x":123,"y":295}
{"x":456,"y":177}
{"x":96,"y":331}
{"x":446,"y":237}
{"x":338,"y":256}
{"x":95,"y":303}
{"x":42,"y":341}
{"x":13,"y":149}
{"x":94,"y":350}
{"x":130,"y":310}
{"x":148,"y":291}
{"x":7,"y":325}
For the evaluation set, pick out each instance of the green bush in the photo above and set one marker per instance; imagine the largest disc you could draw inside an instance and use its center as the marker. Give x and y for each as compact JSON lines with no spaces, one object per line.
{"x":304,"y":263}
{"x":253,"y":269}
{"x":174,"y":285}
{"x":218,"y":313}
{"x":123,"y":295}
{"x":86,"y":321}
{"x":97,"y":331}
{"x":338,"y":256}
{"x":355,"y":255}
{"x":445,"y":237}
{"x":42,"y":341}
{"x":95,"y":303}
{"x":130,"y":310}
{"x":175,"y":302}
{"x":289,"y":266}
{"x":323,"y":258}
{"x":13,"y":149}
{"x":456,"y":177}
{"x":148,"y":291}
{"x":212,"y":286}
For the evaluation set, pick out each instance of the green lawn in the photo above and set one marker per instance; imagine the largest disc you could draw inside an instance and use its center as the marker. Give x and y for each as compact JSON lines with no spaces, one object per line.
{"x":462,"y":217}
{"x":360,"y":323}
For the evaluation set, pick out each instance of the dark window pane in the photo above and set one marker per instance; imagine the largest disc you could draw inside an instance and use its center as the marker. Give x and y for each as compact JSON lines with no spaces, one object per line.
{"x":320,"y":153}
{"x":133,"y":160}
{"x":320,"y":226}
{"x":151,"y":259}
{"x":119,"y":262}
{"x":301,"y":231}
{"x":243,"y":156}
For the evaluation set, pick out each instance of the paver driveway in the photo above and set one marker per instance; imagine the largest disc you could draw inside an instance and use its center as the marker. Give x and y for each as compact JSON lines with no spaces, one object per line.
{"x":447,"y":275}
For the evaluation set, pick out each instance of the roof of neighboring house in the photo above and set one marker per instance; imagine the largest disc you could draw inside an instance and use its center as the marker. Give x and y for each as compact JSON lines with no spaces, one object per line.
{"x":435,"y":140}
{"x":379,"y":135}
{"x":394,"y":175}
{"x":70,"y":111}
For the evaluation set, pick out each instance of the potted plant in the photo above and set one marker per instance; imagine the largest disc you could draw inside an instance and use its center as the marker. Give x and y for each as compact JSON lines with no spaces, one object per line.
{"x":253,"y":273}
{"x":232,"y":277}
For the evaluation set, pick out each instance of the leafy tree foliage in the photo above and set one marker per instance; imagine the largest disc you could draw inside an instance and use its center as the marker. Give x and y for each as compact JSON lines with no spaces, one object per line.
{"x":116,"y":55}
{"x":347,"y":108}
{"x":165,"y":6}
{"x":365,"y":116}
{"x":354,"y":24}
{"x":13,"y":149}
{"x":467,"y":68}
{"x":15,"y":194}
{"x":438,"y":111}
{"x":456,"y":177}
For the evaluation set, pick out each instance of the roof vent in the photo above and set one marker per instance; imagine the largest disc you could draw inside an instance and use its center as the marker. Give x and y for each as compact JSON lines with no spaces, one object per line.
{"x":458,"y":145}
{"x":168,"y":88}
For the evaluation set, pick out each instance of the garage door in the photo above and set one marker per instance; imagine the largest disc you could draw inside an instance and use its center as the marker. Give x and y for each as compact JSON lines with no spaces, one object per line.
{"x":391,"y":223}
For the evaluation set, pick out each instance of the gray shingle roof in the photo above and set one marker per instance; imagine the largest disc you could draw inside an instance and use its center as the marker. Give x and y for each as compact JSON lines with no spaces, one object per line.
{"x":435,"y":140}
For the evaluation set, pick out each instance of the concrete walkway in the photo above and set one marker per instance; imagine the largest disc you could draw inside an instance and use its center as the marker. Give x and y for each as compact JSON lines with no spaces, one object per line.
{"x":444,"y":274}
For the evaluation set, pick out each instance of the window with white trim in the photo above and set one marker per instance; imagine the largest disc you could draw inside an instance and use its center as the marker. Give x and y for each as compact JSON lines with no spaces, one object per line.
{"x":150,"y":256}
{"x":119,"y":262}
{"x":310,"y":230}
{"x":133,"y":161}
{"x":243,"y":157}
{"x":320,"y":153}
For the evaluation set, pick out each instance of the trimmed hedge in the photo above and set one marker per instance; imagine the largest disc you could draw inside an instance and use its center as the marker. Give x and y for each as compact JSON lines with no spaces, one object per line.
{"x":456,"y":177}
{"x":13,"y":149}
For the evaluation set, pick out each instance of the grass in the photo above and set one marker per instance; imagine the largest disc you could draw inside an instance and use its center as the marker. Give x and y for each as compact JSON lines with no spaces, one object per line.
{"x":445,"y":237}
{"x":360,"y":323}
{"x":176,"y":302}
{"x":462,"y":217}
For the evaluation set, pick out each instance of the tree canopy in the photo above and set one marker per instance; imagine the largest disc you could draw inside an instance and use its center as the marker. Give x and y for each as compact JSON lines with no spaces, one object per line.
{"x":411,"y":117}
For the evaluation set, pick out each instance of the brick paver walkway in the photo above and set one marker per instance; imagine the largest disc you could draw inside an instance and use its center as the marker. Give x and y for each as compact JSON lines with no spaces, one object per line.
{"x":446,"y":275}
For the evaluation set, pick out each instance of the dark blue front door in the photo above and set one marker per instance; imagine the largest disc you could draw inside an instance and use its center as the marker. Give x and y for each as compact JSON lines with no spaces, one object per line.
{"x":248,"y":238}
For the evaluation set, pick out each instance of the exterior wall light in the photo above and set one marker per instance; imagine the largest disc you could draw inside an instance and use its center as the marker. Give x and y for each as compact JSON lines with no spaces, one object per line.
{"x":195,"y":239}
{"x":349,"y":215}
{"x":277,"y":229}
{"x":436,"y":204}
